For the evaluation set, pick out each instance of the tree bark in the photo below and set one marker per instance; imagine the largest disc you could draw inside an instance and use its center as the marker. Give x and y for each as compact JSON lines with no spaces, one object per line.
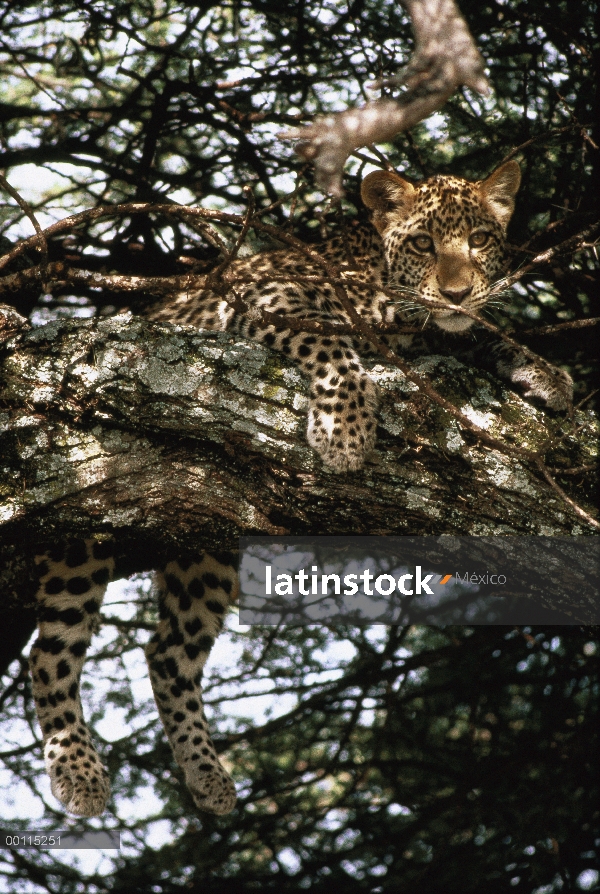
{"x":170,"y":439}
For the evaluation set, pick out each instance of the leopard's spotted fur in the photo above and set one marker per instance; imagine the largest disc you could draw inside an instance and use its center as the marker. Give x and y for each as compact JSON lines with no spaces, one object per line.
{"x":193,"y":599}
{"x":442,"y":240}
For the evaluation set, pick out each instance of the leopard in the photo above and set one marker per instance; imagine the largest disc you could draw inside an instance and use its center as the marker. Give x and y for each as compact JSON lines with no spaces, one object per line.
{"x":429,"y":257}
{"x":431,"y":254}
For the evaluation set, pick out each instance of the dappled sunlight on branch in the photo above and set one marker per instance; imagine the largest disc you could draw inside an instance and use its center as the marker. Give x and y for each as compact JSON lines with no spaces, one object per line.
{"x":445,"y":59}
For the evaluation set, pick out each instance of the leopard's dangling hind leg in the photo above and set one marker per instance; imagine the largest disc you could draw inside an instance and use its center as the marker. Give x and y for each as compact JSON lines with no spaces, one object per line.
{"x":193,"y":600}
{"x":73,"y":580}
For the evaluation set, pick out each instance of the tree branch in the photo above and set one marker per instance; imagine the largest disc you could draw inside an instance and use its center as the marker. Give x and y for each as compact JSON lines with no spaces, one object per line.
{"x":445,"y":58}
{"x":167,"y":437}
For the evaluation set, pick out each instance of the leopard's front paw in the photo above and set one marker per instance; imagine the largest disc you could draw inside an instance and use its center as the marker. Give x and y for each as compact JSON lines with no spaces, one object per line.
{"x":342,"y":424}
{"x":552,"y":385}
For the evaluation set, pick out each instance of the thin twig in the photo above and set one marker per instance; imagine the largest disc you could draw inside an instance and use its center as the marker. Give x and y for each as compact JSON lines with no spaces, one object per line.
{"x":539,"y":138}
{"x":574,"y":470}
{"x":92,"y":214}
{"x":570,"y":244}
{"x":42,"y":244}
{"x":585,"y":399}
{"x":555,"y":486}
{"x":559,"y":327}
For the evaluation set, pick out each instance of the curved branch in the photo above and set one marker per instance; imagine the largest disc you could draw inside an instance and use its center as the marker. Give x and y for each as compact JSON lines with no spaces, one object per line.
{"x":445,"y":58}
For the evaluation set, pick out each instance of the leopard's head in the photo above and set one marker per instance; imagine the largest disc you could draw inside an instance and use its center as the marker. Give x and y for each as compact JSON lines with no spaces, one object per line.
{"x":443,"y":237}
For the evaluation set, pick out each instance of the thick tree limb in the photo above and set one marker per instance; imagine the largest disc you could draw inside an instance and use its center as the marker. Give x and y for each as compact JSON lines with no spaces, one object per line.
{"x":170,"y":438}
{"x":445,"y":58}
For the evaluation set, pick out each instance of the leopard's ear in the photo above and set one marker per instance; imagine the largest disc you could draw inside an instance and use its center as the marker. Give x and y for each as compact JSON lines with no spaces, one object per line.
{"x":500,"y":189}
{"x":387,"y":195}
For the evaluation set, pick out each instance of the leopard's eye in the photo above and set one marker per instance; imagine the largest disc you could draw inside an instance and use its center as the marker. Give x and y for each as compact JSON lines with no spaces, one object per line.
{"x":422,"y":243}
{"x":479,"y":239}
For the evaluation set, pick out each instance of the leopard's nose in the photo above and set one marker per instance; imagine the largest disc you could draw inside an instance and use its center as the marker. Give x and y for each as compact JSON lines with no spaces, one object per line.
{"x":456,"y":295}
